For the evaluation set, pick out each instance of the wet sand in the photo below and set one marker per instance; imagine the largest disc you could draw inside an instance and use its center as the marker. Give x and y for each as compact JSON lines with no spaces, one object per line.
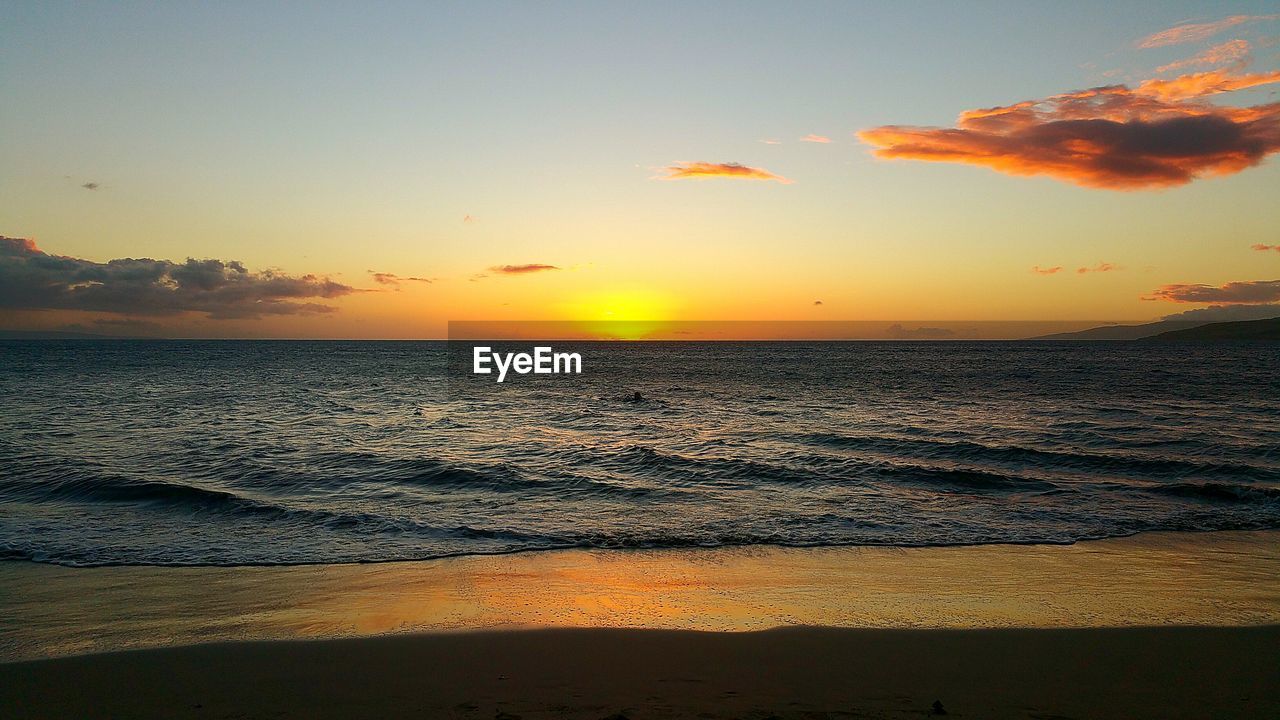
{"x":1118,"y":628}
{"x":601,"y":673}
{"x":1222,"y":579}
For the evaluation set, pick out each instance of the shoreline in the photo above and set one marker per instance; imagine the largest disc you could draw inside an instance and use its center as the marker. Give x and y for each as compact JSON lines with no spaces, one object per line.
{"x":635,"y":549}
{"x":598,"y":673}
{"x":1223,"y":579}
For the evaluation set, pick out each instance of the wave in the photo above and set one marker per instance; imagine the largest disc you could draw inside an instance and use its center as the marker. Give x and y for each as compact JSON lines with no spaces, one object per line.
{"x":89,"y":487}
{"x":967,"y":479}
{"x":1128,"y":465}
{"x":513,"y":543}
{"x":204,"y":453}
{"x":1220,"y":492}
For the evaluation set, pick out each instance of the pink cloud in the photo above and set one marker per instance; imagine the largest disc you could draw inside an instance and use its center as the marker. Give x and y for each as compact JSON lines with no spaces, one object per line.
{"x":1159,"y":135}
{"x":1231,"y":52}
{"x":1195,"y":32}
{"x":1210,"y":82}
{"x":704,"y":170}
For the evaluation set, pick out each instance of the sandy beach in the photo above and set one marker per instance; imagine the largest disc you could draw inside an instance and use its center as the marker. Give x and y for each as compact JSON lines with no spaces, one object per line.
{"x":1152,"y":579}
{"x":604,"y":673}
{"x":1157,"y":625}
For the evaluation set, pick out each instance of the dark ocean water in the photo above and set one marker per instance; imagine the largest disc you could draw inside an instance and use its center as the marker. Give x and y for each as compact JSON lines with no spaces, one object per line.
{"x":301,"y":452}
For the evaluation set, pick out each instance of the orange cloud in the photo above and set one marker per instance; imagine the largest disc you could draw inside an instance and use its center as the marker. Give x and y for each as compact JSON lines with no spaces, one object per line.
{"x":703,"y":170}
{"x":1250,"y":292}
{"x":1264,"y":248}
{"x":1100,"y":267}
{"x":1046,"y":271}
{"x":815,"y":138}
{"x":522,"y":269}
{"x":1204,"y":83}
{"x":1231,"y":52}
{"x":1107,"y":137}
{"x":1195,"y":32}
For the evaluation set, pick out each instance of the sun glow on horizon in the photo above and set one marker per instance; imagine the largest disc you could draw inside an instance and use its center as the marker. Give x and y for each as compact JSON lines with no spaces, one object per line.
{"x":312,"y":203}
{"x":625,"y":305}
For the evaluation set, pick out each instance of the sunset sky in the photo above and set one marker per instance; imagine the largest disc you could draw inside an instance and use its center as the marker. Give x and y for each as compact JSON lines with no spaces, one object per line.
{"x":379,"y":171}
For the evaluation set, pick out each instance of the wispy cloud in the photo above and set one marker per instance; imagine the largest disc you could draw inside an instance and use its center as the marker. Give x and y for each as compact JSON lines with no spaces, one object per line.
{"x":1047,"y":271}
{"x":1109,"y":137}
{"x":31,"y":279}
{"x":1195,"y":32}
{"x":770,"y":141}
{"x":705,"y":170}
{"x":1210,"y":82}
{"x":1248,"y":292}
{"x":522,"y":269}
{"x":1231,"y":52}
{"x":384,"y":278}
{"x":811,"y":138}
{"x":1100,"y":267}
{"x":1264,"y":248}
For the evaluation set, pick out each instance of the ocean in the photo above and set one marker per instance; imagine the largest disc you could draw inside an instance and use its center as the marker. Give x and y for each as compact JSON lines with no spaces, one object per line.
{"x":284,"y":452}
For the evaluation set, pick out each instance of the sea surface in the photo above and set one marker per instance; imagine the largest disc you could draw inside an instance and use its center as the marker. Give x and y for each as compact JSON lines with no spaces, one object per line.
{"x":278,"y":452}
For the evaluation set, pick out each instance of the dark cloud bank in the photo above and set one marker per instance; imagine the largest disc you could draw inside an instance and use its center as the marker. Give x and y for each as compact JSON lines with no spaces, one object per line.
{"x":31,"y":279}
{"x":1246,"y":292}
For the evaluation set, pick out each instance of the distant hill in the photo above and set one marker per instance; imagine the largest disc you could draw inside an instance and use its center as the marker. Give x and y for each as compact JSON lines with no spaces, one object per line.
{"x":1243,"y":330}
{"x":1125,"y":332}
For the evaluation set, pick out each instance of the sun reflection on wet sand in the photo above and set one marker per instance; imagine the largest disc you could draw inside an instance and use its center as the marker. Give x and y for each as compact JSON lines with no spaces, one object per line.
{"x":1230,"y":578}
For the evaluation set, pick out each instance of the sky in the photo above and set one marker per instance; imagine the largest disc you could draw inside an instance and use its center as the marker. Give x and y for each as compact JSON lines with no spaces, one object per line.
{"x":378,"y":170}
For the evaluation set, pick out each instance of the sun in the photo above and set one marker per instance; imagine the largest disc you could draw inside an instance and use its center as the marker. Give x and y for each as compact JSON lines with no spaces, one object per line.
{"x":624,"y":305}
{"x":632,"y":313}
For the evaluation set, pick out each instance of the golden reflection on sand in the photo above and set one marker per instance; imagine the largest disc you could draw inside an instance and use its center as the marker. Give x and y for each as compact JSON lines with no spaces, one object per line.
{"x":1153,"y":579}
